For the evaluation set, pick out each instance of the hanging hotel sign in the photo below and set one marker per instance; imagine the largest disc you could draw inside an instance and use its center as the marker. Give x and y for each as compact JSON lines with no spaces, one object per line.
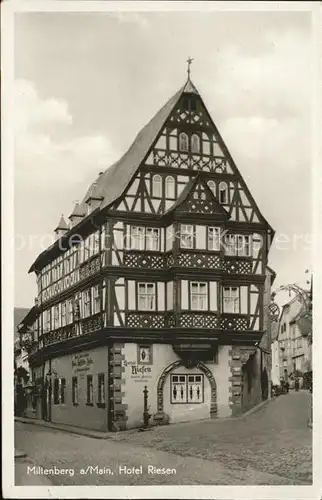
{"x":81,"y":362}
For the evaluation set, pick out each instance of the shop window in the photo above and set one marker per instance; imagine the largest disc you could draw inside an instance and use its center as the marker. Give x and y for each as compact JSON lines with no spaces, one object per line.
{"x":187,"y":389}
{"x":101,"y":389}
{"x":56,"y":391}
{"x":75,"y":391}
{"x":89,"y":392}
{"x":145,"y":354}
{"x":62,"y":389}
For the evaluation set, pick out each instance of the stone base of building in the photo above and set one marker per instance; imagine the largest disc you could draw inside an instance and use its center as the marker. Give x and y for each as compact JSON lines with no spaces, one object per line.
{"x":103,"y":388}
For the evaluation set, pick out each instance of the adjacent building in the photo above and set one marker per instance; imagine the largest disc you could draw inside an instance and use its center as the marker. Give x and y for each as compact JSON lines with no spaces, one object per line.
{"x":159,"y":280}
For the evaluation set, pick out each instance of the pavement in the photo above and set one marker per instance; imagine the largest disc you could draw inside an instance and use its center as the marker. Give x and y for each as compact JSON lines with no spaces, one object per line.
{"x":272,"y":446}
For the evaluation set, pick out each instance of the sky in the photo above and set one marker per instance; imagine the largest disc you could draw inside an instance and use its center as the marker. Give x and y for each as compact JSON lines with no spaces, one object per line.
{"x":86,"y":83}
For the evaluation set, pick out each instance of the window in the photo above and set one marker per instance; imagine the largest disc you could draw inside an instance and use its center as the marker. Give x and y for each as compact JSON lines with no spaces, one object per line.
{"x":223,"y":192}
{"x":137,"y":238}
{"x":231,"y":299}
{"x":195,"y":143}
{"x":101,"y":388}
{"x":238,"y":245}
{"x":199,"y":296}
{"x":169,"y":187}
{"x":62,"y":384}
{"x":183,"y":142}
{"x":146,"y":297}
{"x":156,"y":186}
{"x":96,"y":299}
{"x":63,"y":314}
{"x":56,"y":391}
{"x":69,"y":311}
{"x":87,"y":303}
{"x":187,"y":389}
{"x":152,"y":238}
{"x":56,"y":317}
{"x":145,"y":354}
{"x":186,"y":236}
{"x":214,"y":238}
{"x":89,"y":392}
{"x":75,"y":391}
{"x":212,"y":186}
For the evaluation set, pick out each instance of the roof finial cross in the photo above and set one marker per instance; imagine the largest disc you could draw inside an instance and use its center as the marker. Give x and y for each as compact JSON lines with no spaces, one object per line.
{"x":189,"y":61}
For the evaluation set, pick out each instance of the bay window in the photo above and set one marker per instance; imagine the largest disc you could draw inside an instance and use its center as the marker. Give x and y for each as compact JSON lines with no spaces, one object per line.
{"x":63,"y":314}
{"x":137,"y":238}
{"x":152,"y":238}
{"x":96,"y":299}
{"x":238,"y":245}
{"x":86,"y":303}
{"x":144,"y":238}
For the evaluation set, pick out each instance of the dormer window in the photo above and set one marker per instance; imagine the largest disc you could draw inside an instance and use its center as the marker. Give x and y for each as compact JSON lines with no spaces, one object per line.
{"x":223,"y":192}
{"x":195,"y":143}
{"x":183,"y":142}
{"x":157,"y":186}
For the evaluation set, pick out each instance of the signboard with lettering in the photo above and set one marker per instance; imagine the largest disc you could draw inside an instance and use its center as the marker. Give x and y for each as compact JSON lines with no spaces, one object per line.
{"x":81,"y":362}
{"x":140,"y":373}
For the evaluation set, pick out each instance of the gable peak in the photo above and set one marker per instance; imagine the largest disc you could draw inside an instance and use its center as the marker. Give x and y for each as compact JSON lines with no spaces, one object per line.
{"x":189,"y":88}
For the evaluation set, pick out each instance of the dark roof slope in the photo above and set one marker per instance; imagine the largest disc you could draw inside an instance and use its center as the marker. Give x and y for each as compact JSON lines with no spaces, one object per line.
{"x":18,"y":315}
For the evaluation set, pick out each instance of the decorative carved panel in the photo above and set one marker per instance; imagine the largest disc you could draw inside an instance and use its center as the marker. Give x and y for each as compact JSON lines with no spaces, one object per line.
{"x":91,"y":324}
{"x":234,"y":266}
{"x":145,"y":320}
{"x":89,"y":268}
{"x":186,"y":259}
{"x":198,"y":320}
{"x":234,"y":322}
{"x":143,"y":260}
{"x":174,"y":159}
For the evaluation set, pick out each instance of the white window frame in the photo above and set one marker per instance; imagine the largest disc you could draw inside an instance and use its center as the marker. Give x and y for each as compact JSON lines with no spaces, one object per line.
{"x":57,"y":316}
{"x":86,"y":303}
{"x":63,"y":314}
{"x":137,"y":238}
{"x":182,"y":381}
{"x":199,"y":295}
{"x":213,"y":238}
{"x":157,"y":186}
{"x":183,"y":142}
{"x":195,"y":141}
{"x":238,"y":245}
{"x":170,"y":187}
{"x":96,"y":299}
{"x":223,"y":188}
{"x":231,"y":300}
{"x":146,"y":299}
{"x":152,"y":238}
{"x":187,"y":236}
{"x":70,"y":312}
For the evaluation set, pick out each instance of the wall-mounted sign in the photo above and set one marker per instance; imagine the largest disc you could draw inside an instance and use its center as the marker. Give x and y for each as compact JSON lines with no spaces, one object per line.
{"x":140,"y":373}
{"x":81,"y":362}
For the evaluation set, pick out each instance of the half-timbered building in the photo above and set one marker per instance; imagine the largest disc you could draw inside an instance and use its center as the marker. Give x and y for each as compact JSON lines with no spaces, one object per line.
{"x":159,"y":280}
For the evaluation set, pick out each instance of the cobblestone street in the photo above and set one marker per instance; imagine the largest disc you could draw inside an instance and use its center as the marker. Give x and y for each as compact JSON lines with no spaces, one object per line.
{"x":270,"y":446}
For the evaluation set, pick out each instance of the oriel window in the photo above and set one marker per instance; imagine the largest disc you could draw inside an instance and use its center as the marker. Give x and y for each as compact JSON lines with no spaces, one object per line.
{"x":152,"y":236}
{"x":146,"y":296}
{"x":63,"y":314}
{"x":96,"y":299}
{"x":87,"y":303}
{"x":214,"y":238}
{"x":137,"y":238}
